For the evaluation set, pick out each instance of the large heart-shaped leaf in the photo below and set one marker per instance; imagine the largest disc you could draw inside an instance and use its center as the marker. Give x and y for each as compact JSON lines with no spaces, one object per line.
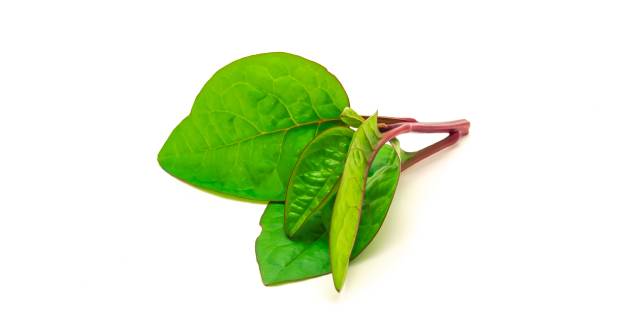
{"x":314,"y":180}
{"x":349,"y":198}
{"x":282,"y":259}
{"x":249,"y":124}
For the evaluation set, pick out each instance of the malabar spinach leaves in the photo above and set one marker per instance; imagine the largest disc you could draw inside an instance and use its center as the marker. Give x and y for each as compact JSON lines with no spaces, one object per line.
{"x":276,"y":127}
{"x":282,"y":259}
{"x":314,"y":179}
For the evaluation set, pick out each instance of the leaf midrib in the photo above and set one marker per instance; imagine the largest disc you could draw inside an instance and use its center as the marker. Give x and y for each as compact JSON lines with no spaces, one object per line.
{"x":319,"y":122}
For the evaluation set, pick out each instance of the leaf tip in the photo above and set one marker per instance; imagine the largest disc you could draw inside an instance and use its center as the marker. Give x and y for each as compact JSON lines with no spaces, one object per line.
{"x":338,"y":281}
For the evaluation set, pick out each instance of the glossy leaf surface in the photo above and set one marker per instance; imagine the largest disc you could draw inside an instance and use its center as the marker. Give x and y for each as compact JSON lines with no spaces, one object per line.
{"x":281,"y":259}
{"x":384,"y":175}
{"x":249,"y":124}
{"x":349,"y":198}
{"x":314,"y":180}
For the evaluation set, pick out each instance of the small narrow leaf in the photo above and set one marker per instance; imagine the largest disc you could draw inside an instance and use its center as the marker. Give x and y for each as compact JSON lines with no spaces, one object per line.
{"x":281,"y":259}
{"x":349,"y":198}
{"x":351,"y":118}
{"x":249,"y":124}
{"x":314,"y":180}
{"x":381,"y":186}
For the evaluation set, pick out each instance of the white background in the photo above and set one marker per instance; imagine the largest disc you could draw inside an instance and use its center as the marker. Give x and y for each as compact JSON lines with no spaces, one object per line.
{"x":534,"y":215}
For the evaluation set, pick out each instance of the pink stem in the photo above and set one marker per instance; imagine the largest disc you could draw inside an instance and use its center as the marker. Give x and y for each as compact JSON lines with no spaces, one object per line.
{"x":456,"y":129}
{"x":461,"y":126}
{"x":416,"y":157}
{"x":393,"y":120}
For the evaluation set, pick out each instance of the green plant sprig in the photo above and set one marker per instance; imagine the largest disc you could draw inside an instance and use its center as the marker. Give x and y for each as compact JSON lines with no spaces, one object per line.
{"x":277,"y":127}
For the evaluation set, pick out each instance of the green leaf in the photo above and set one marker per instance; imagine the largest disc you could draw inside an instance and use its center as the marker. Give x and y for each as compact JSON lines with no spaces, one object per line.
{"x":249,"y":124}
{"x":314,"y":181}
{"x":351,"y":118}
{"x":381,"y":186}
{"x":281,"y":259}
{"x":349,"y":198}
